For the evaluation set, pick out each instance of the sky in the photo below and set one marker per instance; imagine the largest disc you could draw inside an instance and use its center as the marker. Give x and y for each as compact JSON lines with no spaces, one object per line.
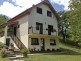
{"x":12,"y":8}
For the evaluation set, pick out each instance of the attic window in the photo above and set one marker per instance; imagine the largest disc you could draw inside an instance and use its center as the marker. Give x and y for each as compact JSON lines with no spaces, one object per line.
{"x":39,"y":10}
{"x":49,"y":14}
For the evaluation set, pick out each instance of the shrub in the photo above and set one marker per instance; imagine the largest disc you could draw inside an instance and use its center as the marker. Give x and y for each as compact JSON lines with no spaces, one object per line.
{"x":3,"y":53}
{"x":3,"y":46}
{"x":24,"y":52}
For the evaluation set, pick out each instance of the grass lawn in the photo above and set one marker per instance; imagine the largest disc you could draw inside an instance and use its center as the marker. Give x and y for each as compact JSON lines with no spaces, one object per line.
{"x":4,"y":59}
{"x":53,"y":58}
{"x":74,"y":54}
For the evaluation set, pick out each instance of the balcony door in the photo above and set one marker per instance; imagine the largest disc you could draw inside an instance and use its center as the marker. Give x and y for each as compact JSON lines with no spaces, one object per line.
{"x":50,"y":29}
{"x":39,"y":26}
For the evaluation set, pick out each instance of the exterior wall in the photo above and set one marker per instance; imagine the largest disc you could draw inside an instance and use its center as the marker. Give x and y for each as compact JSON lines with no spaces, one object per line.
{"x":45,"y":20}
{"x":2,"y":39}
{"x":30,"y":20}
{"x":47,"y":44}
{"x":42,"y":18}
{"x":22,"y":31}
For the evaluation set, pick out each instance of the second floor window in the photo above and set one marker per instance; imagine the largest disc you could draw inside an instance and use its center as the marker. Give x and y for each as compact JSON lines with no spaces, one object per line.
{"x":39,"y":10}
{"x":49,"y":14}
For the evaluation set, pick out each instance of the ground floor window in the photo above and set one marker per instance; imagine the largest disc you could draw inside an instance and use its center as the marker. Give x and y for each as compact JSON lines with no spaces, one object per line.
{"x":34,"y":41}
{"x":52,"y":42}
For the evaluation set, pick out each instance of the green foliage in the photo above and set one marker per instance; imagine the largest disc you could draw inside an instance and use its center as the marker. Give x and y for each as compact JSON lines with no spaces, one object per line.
{"x":4,"y":59}
{"x":74,"y":16}
{"x":63,"y":26}
{"x":24,"y":52}
{"x":2,"y":45}
{"x":3,"y":19}
{"x":3,"y":53}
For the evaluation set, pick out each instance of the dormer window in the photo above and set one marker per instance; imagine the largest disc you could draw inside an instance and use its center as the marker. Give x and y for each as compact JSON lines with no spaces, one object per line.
{"x":39,"y":10}
{"x":49,"y":14}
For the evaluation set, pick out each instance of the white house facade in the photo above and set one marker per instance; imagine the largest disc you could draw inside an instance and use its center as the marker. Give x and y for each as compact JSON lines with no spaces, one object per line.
{"x":35,"y":29}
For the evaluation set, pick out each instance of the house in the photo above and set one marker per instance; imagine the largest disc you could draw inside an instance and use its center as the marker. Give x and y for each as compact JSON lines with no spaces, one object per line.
{"x":36,"y":29}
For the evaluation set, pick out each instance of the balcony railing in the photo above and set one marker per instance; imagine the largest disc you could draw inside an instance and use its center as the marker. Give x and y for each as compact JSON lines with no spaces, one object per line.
{"x":34,"y":31}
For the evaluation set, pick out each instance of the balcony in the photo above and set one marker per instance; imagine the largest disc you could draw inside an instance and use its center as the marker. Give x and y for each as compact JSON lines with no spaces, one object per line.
{"x":33,"y":30}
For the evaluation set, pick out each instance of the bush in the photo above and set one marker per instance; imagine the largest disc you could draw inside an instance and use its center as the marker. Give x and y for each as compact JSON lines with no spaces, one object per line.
{"x":3,"y":53}
{"x":3,"y":46}
{"x":24,"y":52}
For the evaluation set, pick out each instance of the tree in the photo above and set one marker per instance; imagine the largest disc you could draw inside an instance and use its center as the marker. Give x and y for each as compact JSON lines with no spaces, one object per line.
{"x":75,"y":20}
{"x":3,"y":19}
{"x":63,"y":25}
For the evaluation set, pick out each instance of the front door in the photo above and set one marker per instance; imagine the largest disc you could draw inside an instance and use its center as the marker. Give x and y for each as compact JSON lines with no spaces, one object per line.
{"x":42,"y":44}
{"x":15,"y":30}
{"x":8,"y":42}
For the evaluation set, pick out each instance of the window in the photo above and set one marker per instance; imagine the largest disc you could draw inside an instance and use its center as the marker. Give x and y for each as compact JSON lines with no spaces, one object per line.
{"x":52,"y":42}
{"x":34,"y":41}
{"x":39,"y":10}
{"x":49,"y":14}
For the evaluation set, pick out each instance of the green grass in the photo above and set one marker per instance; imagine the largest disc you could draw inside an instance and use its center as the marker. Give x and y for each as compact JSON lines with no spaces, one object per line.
{"x":4,"y":59}
{"x":73,"y":54}
{"x":53,"y":58}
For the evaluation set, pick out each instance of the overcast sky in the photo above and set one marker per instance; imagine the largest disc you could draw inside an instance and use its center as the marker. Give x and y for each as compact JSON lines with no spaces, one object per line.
{"x":12,"y":8}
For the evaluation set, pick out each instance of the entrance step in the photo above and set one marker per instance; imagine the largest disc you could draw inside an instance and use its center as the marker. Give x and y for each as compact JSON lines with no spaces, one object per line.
{"x":17,"y":57}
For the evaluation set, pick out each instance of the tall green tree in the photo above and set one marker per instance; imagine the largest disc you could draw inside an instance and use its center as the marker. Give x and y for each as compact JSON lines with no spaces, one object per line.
{"x":63,"y":26}
{"x":75,"y":20}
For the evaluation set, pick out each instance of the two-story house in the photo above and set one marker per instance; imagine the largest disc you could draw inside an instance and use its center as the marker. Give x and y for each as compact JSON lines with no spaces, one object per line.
{"x":36,"y":29}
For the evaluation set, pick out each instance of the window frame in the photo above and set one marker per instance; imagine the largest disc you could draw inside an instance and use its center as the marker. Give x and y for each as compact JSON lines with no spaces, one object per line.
{"x":52,"y":40}
{"x":39,"y":10}
{"x":33,"y":42}
{"x":49,"y":13}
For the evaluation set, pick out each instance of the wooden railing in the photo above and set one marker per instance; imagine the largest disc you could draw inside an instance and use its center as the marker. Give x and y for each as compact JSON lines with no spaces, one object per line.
{"x":18,"y":42}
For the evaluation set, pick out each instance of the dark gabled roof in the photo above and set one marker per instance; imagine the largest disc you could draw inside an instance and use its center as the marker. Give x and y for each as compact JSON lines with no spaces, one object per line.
{"x":27,"y":11}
